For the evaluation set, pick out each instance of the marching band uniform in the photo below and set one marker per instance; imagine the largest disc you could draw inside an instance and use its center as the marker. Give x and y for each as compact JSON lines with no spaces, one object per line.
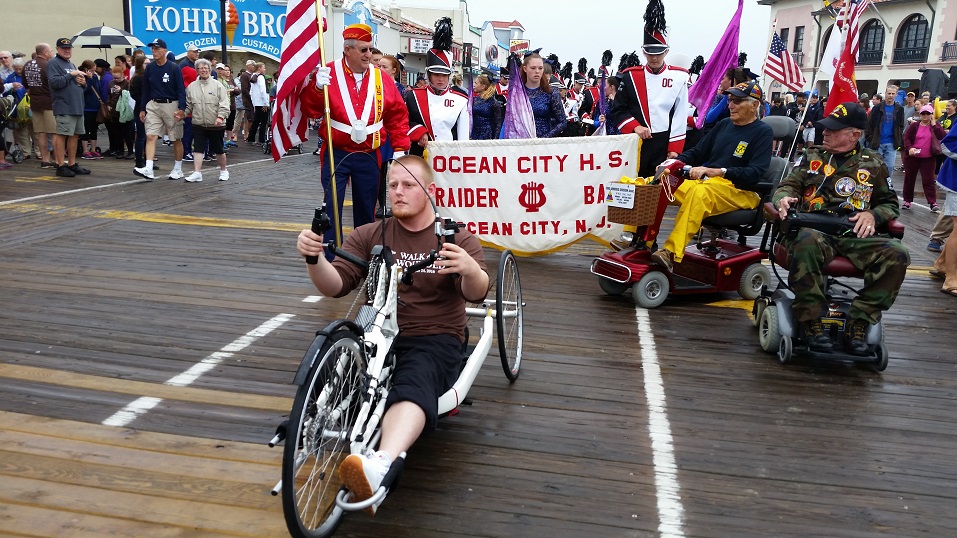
{"x":501,"y":88}
{"x":440,"y":114}
{"x":364,"y":108}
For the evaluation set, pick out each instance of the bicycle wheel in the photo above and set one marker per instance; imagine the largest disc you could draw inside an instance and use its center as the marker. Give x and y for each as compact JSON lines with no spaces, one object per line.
{"x":508,"y":315}
{"x":318,"y":437}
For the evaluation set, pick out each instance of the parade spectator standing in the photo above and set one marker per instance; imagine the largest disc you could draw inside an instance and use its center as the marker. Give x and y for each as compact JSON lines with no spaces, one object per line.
{"x":6,"y":64}
{"x":652,"y":100}
{"x":392,"y":67}
{"x":910,"y":108}
{"x":136,"y":92}
{"x":439,"y":111}
{"x":66,"y":86}
{"x":885,"y":129}
{"x":364,"y":108}
{"x":119,"y":131}
{"x":842,"y":178}
{"x":41,"y":102}
{"x":723,"y":175}
{"x":207,"y":101}
{"x":487,"y":112}
{"x":164,"y":104}
{"x":431,"y":315}
{"x":815,"y":112}
{"x":945,"y":224}
{"x":103,"y":72}
{"x":947,"y":179}
{"x":259,"y":97}
{"x":239,"y":123}
{"x":232,"y":90}
{"x":244,"y":87}
{"x":922,"y":145}
{"x":92,"y":98}
{"x":23,"y":130}
{"x":547,"y":107}
{"x":192,"y":54}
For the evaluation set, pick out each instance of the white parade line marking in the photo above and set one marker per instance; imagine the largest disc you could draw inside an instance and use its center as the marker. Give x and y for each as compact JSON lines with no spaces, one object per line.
{"x":142,"y":405}
{"x":312,"y":299}
{"x":667,"y":489}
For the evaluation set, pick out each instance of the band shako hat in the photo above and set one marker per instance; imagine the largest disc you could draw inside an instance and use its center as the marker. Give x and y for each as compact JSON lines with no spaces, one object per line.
{"x":656,"y":41}
{"x":581,"y":77}
{"x":439,"y":57}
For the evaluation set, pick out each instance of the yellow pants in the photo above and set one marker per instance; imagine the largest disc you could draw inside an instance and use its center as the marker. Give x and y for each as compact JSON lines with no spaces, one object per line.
{"x":700,"y":199}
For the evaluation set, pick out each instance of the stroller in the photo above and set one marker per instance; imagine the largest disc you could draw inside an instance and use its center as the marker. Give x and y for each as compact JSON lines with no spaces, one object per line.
{"x":8,"y":122}
{"x":267,"y":145}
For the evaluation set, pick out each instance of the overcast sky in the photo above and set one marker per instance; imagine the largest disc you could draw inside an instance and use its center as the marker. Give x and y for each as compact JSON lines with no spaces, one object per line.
{"x":585,"y":28}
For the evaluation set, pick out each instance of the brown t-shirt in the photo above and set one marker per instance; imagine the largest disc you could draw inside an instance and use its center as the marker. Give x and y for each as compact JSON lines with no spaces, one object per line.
{"x":434,"y":303}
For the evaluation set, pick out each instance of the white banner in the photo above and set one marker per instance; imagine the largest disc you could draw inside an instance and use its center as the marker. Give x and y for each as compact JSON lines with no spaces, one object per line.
{"x":532,"y":196}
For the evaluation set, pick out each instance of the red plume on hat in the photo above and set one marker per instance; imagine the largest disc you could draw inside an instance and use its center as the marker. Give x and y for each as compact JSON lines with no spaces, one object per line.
{"x":656,"y":41}
{"x":439,"y":58}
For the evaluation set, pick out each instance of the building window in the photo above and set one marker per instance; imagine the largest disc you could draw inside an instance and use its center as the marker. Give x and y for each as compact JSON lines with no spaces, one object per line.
{"x":914,"y":33}
{"x":872,"y":43}
{"x":785,"y":34}
{"x":798,"y":39}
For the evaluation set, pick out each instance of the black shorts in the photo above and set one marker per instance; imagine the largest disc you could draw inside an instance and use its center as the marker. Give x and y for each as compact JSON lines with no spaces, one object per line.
{"x":426,"y":367}
{"x":212,"y":135}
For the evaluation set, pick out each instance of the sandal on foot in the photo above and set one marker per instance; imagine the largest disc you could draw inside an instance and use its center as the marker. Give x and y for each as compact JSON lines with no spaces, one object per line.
{"x":934,"y":273}
{"x":952,"y":291}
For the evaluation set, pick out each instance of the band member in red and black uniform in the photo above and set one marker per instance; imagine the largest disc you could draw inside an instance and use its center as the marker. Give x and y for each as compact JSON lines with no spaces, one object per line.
{"x":365,"y":107}
{"x":502,"y":87}
{"x":438,"y":112}
{"x":652,"y":100}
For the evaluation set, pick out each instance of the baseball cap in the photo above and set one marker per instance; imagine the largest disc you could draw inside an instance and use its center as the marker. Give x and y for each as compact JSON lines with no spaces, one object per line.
{"x":220,"y":66}
{"x":849,"y":114}
{"x":927,"y":109}
{"x":192,"y":48}
{"x":746,"y":89}
{"x":157,"y":43}
{"x":64,"y":43}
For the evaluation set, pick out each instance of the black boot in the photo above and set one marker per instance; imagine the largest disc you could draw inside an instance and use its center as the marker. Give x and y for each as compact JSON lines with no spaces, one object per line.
{"x":857,"y":337}
{"x":817,"y":338}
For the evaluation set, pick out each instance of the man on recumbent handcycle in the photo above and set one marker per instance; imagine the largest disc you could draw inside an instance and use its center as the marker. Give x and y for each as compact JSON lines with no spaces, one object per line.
{"x":842,"y":178}
{"x":431,"y":314}
{"x":725,"y":166}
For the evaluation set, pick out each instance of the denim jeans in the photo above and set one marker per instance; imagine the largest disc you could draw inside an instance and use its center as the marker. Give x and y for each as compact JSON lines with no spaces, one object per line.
{"x":889,"y":155}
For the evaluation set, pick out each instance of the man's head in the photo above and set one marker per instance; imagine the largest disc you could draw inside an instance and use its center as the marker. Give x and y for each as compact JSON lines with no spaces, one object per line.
{"x":158,"y":48}
{"x":876,"y":100}
{"x":192,"y":53}
{"x":64,"y":47}
{"x":800,"y":98}
{"x":44,"y":50}
{"x":420,"y":82}
{"x":357,"y":47}
{"x":6,"y":58}
{"x":743,"y":102}
{"x":909,"y":98}
{"x":814,"y":97}
{"x":410,"y":186}
{"x":843,"y":127}
{"x":376,"y":56}
{"x":250,"y":66}
{"x":655,"y":61}
{"x":890,"y":94}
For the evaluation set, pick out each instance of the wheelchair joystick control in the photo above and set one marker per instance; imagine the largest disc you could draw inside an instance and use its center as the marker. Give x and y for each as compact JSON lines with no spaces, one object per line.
{"x":320,"y":223}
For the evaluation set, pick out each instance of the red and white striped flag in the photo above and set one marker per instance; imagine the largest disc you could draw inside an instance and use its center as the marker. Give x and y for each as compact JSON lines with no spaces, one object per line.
{"x":299,"y":56}
{"x":781,"y":67}
{"x":851,"y":13}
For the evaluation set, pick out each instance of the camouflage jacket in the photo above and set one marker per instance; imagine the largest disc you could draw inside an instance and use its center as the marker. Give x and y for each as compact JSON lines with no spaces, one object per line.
{"x":861,"y":183}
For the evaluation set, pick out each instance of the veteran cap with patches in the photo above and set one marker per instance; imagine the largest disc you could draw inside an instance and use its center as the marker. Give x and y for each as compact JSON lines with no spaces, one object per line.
{"x":849,"y":114}
{"x":746,"y":89}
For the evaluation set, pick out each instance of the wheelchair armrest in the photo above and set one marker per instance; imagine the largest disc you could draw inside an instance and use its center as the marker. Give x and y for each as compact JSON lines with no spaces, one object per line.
{"x":894,"y":228}
{"x":771,"y":212}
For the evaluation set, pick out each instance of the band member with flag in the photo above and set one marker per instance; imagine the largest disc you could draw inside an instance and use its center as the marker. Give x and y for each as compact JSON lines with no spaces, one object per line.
{"x":652,"y":100}
{"x":365,"y":107}
{"x":438,"y":111}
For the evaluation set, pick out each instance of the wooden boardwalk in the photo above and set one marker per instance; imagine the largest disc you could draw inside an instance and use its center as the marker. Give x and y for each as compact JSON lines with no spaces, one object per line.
{"x":624,"y":422}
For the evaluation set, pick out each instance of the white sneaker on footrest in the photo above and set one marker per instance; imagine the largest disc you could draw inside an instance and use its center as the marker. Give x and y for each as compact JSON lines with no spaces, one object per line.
{"x":362,"y":476}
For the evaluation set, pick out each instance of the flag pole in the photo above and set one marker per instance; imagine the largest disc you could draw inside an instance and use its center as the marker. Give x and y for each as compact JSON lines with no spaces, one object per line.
{"x":774,"y":25}
{"x":320,"y":16}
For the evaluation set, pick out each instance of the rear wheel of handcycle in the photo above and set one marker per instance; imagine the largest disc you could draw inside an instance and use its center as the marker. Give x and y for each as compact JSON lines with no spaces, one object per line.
{"x":508,"y":315}
{"x":651,"y":290}
{"x":611,"y":287}
{"x":754,"y":278}
{"x":317,"y":439}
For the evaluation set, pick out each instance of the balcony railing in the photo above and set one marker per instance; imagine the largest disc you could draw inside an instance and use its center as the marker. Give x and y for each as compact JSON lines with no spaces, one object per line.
{"x":798,"y":58}
{"x":870,"y":57}
{"x":950,"y":51}
{"x":911,"y":55}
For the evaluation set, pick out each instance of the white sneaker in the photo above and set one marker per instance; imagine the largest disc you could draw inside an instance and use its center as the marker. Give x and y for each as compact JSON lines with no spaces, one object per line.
{"x":192,"y":178}
{"x":362,"y":476}
{"x":176,"y":174}
{"x":224,"y":175}
{"x":144,"y":172}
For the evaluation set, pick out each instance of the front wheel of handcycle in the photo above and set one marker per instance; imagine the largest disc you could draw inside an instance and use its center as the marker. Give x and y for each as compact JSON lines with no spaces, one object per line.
{"x":508,"y":315}
{"x":317,"y":439}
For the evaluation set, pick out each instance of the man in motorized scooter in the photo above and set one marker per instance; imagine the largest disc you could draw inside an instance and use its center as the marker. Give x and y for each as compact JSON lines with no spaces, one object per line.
{"x":842,"y":178}
{"x":726,"y":165}
{"x":431,"y":314}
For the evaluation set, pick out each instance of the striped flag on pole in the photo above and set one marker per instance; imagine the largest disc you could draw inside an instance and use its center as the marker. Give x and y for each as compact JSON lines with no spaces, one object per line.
{"x":849,"y":20}
{"x":781,"y":67}
{"x":299,"y":56}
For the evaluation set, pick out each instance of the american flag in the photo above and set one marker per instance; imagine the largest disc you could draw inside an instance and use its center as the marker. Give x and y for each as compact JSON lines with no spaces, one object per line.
{"x":299,"y":56}
{"x":851,"y":12}
{"x":781,"y":67}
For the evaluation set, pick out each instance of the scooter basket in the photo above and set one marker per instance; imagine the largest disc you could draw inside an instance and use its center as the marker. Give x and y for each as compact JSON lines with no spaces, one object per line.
{"x":645,"y":208}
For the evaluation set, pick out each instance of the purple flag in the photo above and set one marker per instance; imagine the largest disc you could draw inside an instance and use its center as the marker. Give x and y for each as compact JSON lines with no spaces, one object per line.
{"x":519,"y":120}
{"x":725,"y":55}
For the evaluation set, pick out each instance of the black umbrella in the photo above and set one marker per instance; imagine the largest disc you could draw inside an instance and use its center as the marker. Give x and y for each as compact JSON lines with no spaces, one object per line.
{"x":104,"y":37}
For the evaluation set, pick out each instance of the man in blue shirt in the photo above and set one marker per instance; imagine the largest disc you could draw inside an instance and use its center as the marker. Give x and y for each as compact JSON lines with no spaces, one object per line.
{"x":885,"y":129}
{"x":164,"y":107}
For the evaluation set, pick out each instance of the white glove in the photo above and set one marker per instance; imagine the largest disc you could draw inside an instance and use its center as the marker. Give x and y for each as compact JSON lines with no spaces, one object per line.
{"x":323,"y":77}
{"x":398,"y":153}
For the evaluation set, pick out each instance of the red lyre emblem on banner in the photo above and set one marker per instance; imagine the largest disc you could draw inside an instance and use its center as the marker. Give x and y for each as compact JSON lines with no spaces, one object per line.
{"x":532,"y":197}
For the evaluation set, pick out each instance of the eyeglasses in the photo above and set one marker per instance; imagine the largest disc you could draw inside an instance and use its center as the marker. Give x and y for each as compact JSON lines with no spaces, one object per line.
{"x":738,"y":100}
{"x":363,"y":50}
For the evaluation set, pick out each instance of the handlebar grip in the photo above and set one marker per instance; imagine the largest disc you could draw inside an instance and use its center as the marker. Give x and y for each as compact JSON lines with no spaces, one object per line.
{"x":349,"y":257}
{"x":429,"y":260}
{"x":320,"y":223}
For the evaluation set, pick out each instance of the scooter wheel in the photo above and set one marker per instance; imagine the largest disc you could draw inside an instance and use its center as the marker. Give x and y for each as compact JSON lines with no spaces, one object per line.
{"x":882,"y":357}
{"x":758,"y":310}
{"x":785,"y":349}
{"x":753,"y":280}
{"x":769,"y":332}
{"x":651,"y":290}
{"x":611,"y":287}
